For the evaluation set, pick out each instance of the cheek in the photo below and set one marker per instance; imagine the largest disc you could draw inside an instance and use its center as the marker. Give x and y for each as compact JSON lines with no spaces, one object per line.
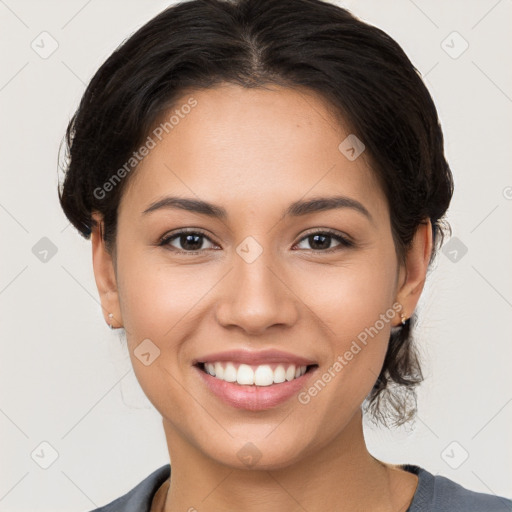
{"x":157,"y":304}
{"x":353,"y":307}
{"x":164,"y":303}
{"x":347,"y":297}
{"x":155,"y":297}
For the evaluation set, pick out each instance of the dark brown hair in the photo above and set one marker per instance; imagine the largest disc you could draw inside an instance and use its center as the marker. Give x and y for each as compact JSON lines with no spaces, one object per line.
{"x":362,"y":73}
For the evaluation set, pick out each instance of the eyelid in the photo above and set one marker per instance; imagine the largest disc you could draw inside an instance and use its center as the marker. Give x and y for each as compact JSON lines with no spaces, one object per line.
{"x":344,"y":240}
{"x":314,"y":231}
{"x":180,"y":231}
{"x":165,"y":239}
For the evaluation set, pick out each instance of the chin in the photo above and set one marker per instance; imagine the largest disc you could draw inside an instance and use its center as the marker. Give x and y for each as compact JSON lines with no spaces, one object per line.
{"x":260,"y":453}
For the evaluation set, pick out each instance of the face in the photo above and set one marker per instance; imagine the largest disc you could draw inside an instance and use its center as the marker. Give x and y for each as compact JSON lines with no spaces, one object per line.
{"x":265,"y":286}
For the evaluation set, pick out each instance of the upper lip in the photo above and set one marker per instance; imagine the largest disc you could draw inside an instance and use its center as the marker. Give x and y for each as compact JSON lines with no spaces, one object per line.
{"x":255,"y":357}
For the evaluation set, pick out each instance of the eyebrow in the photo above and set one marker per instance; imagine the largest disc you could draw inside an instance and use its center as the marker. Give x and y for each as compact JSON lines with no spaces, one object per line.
{"x":296,"y":209}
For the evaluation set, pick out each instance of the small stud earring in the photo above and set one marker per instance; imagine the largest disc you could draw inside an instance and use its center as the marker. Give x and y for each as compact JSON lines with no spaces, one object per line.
{"x":403,"y":318}
{"x":110,"y":315}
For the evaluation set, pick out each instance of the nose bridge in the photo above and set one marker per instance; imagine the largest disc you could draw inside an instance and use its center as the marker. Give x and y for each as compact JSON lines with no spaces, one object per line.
{"x":255,"y":298}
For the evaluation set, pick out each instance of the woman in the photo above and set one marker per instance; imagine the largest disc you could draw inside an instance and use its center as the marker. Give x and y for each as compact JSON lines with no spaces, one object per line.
{"x":264,"y":185}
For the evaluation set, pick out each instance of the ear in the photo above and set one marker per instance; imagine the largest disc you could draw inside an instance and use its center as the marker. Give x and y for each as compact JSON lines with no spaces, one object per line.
{"x":413,"y":274}
{"x":104,"y":274}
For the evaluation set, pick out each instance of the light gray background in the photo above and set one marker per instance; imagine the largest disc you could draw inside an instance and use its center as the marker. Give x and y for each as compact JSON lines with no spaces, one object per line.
{"x":65,"y":377}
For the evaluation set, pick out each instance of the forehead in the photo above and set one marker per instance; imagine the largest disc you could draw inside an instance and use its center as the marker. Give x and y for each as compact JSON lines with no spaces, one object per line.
{"x":244,"y":147}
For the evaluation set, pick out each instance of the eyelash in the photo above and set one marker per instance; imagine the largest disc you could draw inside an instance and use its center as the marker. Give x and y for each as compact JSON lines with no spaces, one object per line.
{"x":344,"y":242}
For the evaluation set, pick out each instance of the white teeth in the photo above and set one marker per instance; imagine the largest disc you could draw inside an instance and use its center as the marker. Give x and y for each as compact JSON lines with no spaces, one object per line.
{"x":245,"y":375}
{"x":264,"y":376}
{"x":261,"y":375}
{"x":279,"y":374}
{"x":219,"y":370}
{"x":229,"y":373}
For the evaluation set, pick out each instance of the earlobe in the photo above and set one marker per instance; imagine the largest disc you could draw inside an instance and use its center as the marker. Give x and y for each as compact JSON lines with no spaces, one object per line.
{"x":104,"y":275}
{"x":416,"y":266}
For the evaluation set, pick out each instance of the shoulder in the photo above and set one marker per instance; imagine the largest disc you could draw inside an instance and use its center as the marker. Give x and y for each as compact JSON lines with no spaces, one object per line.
{"x":436,"y":493}
{"x":139,"y":498}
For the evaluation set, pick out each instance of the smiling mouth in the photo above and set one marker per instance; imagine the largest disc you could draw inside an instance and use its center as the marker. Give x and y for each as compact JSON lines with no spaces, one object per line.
{"x":255,"y":375}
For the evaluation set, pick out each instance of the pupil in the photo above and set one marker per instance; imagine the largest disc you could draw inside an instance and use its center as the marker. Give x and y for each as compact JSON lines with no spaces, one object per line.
{"x":185,"y":239}
{"x":322,"y":246}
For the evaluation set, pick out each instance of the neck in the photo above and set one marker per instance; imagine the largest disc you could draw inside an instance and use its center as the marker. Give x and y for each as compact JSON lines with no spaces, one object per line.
{"x":341,"y":475}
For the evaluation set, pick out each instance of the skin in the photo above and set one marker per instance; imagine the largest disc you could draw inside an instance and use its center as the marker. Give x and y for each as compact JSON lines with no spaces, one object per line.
{"x":254,"y":152}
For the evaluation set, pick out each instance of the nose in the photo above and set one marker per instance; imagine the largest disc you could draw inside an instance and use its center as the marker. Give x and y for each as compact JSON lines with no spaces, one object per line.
{"x":256,"y":296}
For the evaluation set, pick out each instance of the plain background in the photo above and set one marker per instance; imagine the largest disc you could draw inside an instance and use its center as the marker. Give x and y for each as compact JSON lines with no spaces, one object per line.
{"x":65,"y":377}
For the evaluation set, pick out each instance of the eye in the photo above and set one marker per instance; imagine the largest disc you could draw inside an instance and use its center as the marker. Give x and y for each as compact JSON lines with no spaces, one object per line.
{"x":322,"y":240}
{"x":191,"y":241}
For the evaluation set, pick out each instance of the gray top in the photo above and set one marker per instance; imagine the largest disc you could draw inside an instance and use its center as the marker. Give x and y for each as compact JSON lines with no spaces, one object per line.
{"x":433,"y":494}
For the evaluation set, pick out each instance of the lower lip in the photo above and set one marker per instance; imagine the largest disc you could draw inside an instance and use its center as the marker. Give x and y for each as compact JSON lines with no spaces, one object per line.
{"x":254,"y":398}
